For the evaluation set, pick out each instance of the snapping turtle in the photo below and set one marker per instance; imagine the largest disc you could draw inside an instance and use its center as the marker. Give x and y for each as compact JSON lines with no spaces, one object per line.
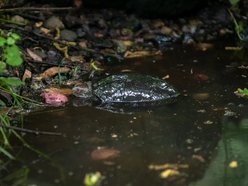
{"x":128,"y":90}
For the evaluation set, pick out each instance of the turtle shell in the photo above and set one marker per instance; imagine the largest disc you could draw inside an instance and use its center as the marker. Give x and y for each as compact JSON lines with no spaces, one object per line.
{"x":133,"y":89}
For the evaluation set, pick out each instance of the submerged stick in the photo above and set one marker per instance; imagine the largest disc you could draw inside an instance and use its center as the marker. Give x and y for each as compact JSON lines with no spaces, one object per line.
{"x":31,"y":131}
{"x":36,"y":9}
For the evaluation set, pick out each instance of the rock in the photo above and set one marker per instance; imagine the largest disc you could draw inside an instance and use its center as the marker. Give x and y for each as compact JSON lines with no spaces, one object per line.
{"x":68,"y":35}
{"x":53,"y":23}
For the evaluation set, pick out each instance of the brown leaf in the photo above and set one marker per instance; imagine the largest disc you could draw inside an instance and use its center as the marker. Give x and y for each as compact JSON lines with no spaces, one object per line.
{"x":129,"y":54}
{"x":27,"y":75}
{"x":65,"y":91}
{"x":33,"y":55}
{"x":201,"y":77}
{"x":104,"y":153}
{"x":53,"y":71}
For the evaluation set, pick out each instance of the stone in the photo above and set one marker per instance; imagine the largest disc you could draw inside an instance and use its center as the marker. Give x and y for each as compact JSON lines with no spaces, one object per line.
{"x":53,"y":23}
{"x":68,"y":35}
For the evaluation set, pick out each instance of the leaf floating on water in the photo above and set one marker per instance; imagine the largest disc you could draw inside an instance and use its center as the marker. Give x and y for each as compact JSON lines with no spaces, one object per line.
{"x":169,"y":173}
{"x":201,"y":77}
{"x":199,"y":158}
{"x":137,"y":54}
{"x":168,"y":166}
{"x":204,"y":46}
{"x":231,"y":48}
{"x":53,"y":71}
{"x":233,"y":164}
{"x":201,"y":96}
{"x":93,"y":179}
{"x":104,"y":153}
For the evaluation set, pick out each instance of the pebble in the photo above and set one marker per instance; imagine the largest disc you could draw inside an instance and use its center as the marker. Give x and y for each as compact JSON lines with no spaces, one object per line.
{"x":53,"y":23}
{"x":68,"y":35}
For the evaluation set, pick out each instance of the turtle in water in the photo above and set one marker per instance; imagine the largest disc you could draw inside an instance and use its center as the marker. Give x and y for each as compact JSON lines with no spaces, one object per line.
{"x":128,"y":90}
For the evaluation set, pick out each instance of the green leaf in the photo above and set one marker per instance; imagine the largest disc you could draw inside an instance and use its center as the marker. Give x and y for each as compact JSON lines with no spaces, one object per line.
{"x":6,"y":153}
{"x":234,"y":2}
{"x":2,"y":41}
{"x":11,"y":81}
{"x":15,"y":36}
{"x":12,"y":56}
{"x":2,"y":66}
{"x":10,"y":41}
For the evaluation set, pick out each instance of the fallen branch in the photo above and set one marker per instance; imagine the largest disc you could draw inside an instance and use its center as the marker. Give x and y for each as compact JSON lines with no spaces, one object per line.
{"x":36,"y":9}
{"x":31,"y":131}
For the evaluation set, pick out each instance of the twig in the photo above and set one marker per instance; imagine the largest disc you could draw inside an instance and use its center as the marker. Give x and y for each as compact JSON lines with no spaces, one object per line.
{"x":31,"y":131}
{"x":36,"y":9}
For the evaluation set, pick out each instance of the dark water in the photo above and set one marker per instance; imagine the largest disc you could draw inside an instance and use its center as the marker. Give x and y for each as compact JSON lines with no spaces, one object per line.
{"x":206,"y":129}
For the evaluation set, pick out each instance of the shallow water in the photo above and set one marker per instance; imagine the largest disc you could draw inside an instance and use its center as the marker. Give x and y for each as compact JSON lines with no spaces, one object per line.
{"x":205,"y":129}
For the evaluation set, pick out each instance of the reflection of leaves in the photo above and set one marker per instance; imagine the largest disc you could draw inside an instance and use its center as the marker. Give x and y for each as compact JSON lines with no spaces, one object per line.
{"x":6,"y":153}
{"x":19,"y":177}
{"x":234,"y":2}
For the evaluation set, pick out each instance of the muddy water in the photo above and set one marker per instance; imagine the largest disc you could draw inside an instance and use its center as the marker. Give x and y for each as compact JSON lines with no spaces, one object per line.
{"x":205,"y":130}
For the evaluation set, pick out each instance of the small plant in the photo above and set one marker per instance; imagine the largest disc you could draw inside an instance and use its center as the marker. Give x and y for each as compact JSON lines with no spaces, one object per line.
{"x":242,"y":92}
{"x":9,"y":58}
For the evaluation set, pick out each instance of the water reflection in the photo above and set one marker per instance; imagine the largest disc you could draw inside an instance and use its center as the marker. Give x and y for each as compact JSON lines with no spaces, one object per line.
{"x":229,"y":166}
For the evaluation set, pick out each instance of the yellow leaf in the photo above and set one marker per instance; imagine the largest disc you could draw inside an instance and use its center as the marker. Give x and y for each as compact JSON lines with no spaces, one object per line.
{"x":168,"y":173}
{"x":233,"y":164}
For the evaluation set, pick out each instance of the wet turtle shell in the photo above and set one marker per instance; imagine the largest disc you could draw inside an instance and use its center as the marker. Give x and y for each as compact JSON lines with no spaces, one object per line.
{"x":133,"y":90}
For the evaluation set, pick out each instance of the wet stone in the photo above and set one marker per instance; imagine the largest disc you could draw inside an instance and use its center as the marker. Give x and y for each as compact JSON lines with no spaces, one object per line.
{"x":53,"y":23}
{"x":68,"y":35}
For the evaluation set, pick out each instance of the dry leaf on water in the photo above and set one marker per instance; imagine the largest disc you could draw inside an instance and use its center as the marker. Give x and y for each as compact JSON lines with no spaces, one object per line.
{"x":129,"y":54}
{"x":104,"y":153}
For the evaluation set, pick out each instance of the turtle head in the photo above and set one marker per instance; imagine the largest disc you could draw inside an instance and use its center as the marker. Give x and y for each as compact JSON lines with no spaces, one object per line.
{"x":83,"y":91}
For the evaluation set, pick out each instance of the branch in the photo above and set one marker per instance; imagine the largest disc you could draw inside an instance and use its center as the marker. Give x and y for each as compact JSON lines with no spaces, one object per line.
{"x":36,"y":9}
{"x":31,"y":131}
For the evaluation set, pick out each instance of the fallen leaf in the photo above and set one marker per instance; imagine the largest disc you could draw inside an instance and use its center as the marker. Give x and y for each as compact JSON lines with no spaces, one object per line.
{"x":169,"y":173}
{"x":136,"y":54}
{"x":199,"y":158}
{"x":27,"y":75}
{"x":53,"y":71}
{"x":168,"y":166}
{"x":201,"y":77}
{"x":104,"y":153}
{"x":33,"y":55}
{"x":233,"y":164}
{"x":64,"y":91}
{"x":38,"y":24}
{"x":44,"y":30}
{"x":233,"y":48}
{"x":204,"y":46}
{"x":78,"y":59}
{"x":201,"y":96}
